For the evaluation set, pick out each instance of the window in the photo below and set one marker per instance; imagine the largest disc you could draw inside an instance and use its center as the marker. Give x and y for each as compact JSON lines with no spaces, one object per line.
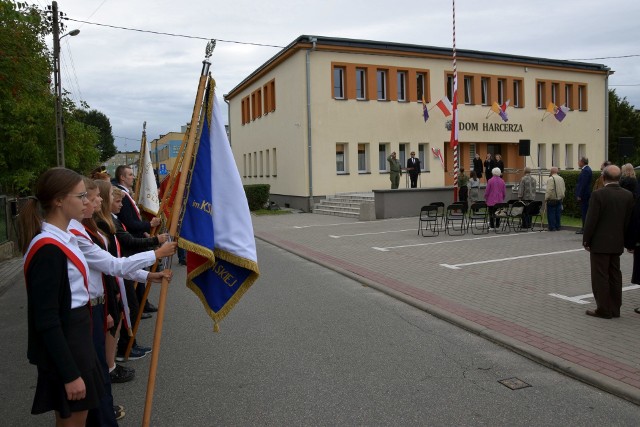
{"x":502,"y":85}
{"x":402,"y":86}
{"x":249,"y":175}
{"x":402,"y":154}
{"x":542,"y":158}
{"x":582,"y":150}
{"x":269,"y":98}
{"x":255,"y":164}
{"x":261,"y":164}
{"x":246,"y":110}
{"x":338,"y":82}
{"x":423,"y":149}
{"x":468,"y":90}
{"x":472,"y":155}
{"x":244,"y":165}
{"x":484,"y":90}
{"x":363,"y":156}
{"x":421,"y":86}
{"x":540,"y":95}
{"x":517,"y":93}
{"x":267,"y":163}
{"x":554,"y":93}
{"x":341,"y":158}
{"x":275,"y":162}
{"x":382,"y":85}
{"x":582,"y":98}
{"x":568,"y":156}
{"x":383,"y":149}
{"x":555,"y":154}
{"x":450,"y":87}
{"x":361,"y":83}
{"x":567,"y":96}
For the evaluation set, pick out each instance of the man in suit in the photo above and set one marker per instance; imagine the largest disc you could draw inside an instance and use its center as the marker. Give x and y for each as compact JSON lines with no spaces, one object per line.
{"x":583,"y":189}
{"x":413,"y":167}
{"x":607,"y":218}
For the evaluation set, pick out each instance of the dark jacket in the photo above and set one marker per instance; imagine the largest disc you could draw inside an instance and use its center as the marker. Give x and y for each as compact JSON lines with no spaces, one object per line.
{"x":413,"y":169}
{"x":131,"y":245}
{"x":478,"y":167}
{"x":129,"y":217}
{"x":608,"y":216}
{"x":583,"y":186}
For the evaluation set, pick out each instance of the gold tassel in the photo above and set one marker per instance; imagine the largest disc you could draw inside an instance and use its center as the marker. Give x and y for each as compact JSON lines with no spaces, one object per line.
{"x":216,"y":327}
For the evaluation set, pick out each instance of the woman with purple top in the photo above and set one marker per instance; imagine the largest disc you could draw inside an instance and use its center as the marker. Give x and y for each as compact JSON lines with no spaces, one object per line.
{"x":495,"y":193}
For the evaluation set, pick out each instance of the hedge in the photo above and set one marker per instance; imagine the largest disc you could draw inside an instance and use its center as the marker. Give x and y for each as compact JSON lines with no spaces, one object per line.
{"x":257,"y":195}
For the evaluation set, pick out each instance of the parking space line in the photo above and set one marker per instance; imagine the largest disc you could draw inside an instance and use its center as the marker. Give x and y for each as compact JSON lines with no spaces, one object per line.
{"x":368,"y":234}
{"x":458,"y":266}
{"x":387,"y":248}
{"x":579,"y":299}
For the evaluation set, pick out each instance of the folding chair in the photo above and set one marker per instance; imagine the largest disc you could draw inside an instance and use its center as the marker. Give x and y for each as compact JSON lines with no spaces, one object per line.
{"x":429,"y":215}
{"x":534,"y":210}
{"x":441,"y":217}
{"x":501,"y":213}
{"x":478,"y":218}
{"x":515,"y":216}
{"x":456,"y":213}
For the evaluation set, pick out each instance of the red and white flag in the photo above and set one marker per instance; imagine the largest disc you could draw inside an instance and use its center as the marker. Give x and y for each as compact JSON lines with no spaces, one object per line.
{"x":445,"y":106}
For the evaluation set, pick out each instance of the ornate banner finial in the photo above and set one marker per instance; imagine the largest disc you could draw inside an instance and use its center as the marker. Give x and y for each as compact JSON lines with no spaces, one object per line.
{"x":210,"y":46}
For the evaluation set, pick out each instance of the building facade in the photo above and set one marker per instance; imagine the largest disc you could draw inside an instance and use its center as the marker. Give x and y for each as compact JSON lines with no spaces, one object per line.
{"x":322,"y":115}
{"x":164,"y":152}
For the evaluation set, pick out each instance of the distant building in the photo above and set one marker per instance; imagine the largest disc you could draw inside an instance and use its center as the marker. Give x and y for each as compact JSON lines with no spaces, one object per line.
{"x":164,"y":151}
{"x":322,"y":115}
{"x":129,"y":158}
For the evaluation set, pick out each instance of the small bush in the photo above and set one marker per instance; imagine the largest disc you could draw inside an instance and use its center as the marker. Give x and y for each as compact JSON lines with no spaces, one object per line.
{"x":257,"y":195}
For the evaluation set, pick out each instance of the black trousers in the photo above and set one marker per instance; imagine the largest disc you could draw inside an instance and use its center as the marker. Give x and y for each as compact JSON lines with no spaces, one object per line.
{"x":606,"y":283}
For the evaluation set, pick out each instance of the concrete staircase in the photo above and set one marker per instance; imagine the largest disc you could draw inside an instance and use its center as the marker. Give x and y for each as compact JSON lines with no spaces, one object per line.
{"x":343,"y":204}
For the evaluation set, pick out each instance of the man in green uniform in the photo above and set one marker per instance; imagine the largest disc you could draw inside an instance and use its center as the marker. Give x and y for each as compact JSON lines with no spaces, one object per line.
{"x":395,"y":172}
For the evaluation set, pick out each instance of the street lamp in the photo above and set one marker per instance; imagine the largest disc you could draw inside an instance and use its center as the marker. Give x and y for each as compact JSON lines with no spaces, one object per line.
{"x":57,"y":82}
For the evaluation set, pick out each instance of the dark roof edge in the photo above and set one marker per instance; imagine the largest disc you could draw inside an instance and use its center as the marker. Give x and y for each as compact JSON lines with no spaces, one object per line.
{"x":428,"y":50}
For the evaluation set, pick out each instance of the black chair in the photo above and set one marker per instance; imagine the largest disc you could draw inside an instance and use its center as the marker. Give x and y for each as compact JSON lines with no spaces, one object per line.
{"x":456,"y":213}
{"x":534,"y":210}
{"x":441,"y":217}
{"x":500,"y":213}
{"x":515,"y":216}
{"x":429,"y":215}
{"x":478,"y":218}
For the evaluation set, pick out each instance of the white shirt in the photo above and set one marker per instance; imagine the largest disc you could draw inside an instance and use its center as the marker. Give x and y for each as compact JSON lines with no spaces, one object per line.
{"x":101,"y":261}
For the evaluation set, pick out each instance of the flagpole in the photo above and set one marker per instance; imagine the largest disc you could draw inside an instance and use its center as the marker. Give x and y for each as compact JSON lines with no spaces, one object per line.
{"x":455,"y":111}
{"x":143,"y":146}
{"x":177,"y":205}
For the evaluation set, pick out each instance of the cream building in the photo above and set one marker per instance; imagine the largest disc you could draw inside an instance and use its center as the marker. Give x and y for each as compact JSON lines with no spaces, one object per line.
{"x":322,"y":115}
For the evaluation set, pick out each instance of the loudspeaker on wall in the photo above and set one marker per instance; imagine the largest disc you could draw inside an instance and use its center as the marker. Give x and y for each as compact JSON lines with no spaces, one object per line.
{"x":524,"y":147}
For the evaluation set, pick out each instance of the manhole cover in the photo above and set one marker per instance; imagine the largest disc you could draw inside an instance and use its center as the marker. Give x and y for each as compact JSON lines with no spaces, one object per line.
{"x":514,"y":383}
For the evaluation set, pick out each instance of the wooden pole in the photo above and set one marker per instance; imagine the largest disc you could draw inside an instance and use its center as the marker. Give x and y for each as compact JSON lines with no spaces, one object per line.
{"x":175,"y":211}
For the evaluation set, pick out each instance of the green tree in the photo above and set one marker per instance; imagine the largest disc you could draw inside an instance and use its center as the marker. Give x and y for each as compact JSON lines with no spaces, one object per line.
{"x":106,"y":145}
{"x":27,"y":119}
{"x":624,"y":121}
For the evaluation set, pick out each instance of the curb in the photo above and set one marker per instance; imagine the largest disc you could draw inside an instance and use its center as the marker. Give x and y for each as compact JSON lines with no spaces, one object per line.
{"x":556,"y":363}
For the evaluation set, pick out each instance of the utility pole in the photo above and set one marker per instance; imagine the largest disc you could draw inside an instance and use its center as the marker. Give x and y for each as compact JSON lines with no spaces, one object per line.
{"x":58,"y":85}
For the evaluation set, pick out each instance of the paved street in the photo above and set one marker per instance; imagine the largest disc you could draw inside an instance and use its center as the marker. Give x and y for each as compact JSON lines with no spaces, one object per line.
{"x":308,"y":346}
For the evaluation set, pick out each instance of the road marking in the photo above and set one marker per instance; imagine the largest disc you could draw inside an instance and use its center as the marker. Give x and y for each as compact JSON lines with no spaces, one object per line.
{"x":579,"y":299}
{"x":347,"y":223}
{"x":367,"y":234}
{"x":387,"y":248}
{"x":457,"y":266}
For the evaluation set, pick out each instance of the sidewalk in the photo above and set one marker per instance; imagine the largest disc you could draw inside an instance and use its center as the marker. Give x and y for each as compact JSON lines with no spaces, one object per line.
{"x":526,"y":291}
{"x":9,"y":271}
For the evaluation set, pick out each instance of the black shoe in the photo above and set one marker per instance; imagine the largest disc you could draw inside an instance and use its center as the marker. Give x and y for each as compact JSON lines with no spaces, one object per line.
{"x":146,"y":350}
{"x":150,"y":308}
{"x":118,"y":410}
{"x":134,"y":355}
{"x":580,"y":232}
{"x":121,"y":375}
{"x":146,"y":315}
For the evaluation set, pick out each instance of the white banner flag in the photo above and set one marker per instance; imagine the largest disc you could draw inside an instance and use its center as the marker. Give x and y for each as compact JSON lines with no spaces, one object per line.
{"x":148,"y":194}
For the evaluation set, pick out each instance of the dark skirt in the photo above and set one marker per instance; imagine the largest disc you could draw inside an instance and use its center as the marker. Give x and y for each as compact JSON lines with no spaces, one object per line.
{"x":50,"y":393}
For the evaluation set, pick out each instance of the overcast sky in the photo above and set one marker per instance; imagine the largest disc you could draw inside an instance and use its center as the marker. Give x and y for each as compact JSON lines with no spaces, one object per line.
{"x":134,"y":77}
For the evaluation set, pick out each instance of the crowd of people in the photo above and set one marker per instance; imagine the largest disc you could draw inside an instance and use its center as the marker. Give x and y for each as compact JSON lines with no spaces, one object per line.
{"x":82,"y":255}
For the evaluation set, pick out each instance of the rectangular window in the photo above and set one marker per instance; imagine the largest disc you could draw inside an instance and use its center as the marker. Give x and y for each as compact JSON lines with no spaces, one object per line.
{"x":361,"y":83}
{"x":275,"y":162}
{"x":402,"y":154}
{"x":517,"y":93}
{"x":502,"y":85}
{"x":382,"y":85}
{"x":402,"y":86}
{"x":341,"y":158}
{"x":582,"y":150}
{"x":244,"y":165}
{"x":554,"y":93}
{"x":363,"y":158}
{"x":250,"y":164}
{"x":255,"y":164}
{"x":423,"y":155}
{"x":484,"y":90}
{"x":267,"y":163}
{"x":421,"y":86}
{"x":540,"y":95}
{"x":269,"y":97}
{"x":567,"y":96}
{"x":468,"y":90}
{"x":542,"y":156}
{"x":555,"y":155}
{"x":450,"y":87}
{"x":382,"y":157}
{"x":261,"y":164}
{"x":338,"y":82}
{"x":568,"y":156}
{"x":582,"y":98}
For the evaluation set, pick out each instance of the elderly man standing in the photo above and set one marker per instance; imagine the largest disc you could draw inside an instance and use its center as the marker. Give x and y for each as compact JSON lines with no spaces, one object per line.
{"x":553,"y":198}
{"x":583,"y":189}
{"x":607,"y":218}
{"x":395,"y":171}
{"x":527,"y":193}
